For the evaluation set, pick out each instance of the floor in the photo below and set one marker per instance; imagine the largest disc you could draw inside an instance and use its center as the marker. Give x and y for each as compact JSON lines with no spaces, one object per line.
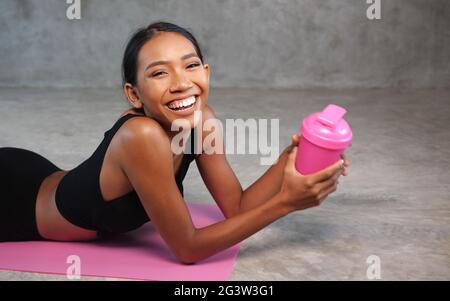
{"x":395,"y":203}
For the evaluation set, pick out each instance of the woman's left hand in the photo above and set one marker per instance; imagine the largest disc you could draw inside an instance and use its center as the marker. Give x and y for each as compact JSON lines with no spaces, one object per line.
{"x":296,"y":139}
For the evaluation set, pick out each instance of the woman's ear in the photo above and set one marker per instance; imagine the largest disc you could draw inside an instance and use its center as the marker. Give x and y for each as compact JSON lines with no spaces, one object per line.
{"x":208,"y":70}
{"x":132,"y":95}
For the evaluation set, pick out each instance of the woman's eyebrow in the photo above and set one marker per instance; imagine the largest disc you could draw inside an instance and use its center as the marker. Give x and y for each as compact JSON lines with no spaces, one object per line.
{"x":184,"y":57}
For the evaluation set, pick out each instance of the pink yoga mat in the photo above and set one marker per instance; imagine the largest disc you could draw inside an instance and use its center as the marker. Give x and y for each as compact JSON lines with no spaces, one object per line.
{"x":140,"y":254}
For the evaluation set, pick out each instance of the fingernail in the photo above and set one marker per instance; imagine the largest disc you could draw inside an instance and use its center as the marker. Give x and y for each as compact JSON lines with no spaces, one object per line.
{"x":341,"y":164}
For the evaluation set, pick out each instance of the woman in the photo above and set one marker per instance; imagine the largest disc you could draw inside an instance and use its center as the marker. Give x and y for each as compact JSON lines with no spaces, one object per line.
{"x":134,"y":176}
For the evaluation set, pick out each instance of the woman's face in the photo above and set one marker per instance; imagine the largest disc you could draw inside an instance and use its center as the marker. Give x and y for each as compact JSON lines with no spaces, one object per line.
{"x":172,"y":82}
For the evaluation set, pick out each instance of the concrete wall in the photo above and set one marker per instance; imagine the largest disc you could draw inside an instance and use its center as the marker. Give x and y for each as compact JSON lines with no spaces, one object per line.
{"x":253,"y":43}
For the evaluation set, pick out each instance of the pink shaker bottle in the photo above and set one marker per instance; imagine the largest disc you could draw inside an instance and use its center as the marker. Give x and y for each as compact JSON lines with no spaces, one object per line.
{"x":325,"y":136}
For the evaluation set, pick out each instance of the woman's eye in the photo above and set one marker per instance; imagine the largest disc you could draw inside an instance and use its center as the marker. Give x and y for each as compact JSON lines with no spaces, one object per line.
{"x":157,"y":73}
{"x":193,"y":65}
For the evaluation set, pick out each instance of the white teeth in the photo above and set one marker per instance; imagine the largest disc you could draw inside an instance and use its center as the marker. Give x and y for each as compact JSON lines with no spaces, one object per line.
{"x":182,"y":103}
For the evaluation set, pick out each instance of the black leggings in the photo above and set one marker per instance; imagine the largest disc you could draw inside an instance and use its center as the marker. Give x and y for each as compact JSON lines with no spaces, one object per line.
{"x":21,"y":173}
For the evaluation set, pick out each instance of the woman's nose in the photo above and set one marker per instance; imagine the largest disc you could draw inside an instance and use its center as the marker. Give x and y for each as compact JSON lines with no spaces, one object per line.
{"x":180,"y":83}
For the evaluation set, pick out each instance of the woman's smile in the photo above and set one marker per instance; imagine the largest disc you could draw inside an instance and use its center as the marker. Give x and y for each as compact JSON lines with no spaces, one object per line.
{"x":184,"y":107}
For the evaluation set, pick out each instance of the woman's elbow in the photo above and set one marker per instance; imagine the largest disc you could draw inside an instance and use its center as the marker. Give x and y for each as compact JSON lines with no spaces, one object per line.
{"x":186,"y":260}
{"x":187,"y":254}
{"x":186,"y":257}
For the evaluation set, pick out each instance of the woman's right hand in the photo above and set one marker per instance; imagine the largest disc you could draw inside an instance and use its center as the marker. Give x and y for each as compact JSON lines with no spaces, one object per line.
{"x":300,"y":192}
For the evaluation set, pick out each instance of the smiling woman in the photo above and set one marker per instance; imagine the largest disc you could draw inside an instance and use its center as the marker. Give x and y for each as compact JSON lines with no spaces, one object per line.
{"x":134,"y":176}
{"x":152,"y":61}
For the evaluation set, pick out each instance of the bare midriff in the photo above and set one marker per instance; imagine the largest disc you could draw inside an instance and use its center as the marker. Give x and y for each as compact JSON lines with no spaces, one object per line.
{"x":51,"y":224}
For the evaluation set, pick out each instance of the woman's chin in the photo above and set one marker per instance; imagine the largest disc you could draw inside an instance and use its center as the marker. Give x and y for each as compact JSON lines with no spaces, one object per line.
{"x":187,"y":122}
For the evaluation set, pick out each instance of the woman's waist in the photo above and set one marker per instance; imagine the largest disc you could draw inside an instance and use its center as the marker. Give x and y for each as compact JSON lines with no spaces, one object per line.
{"x":48,"y":187}
{"x":51,"y":223}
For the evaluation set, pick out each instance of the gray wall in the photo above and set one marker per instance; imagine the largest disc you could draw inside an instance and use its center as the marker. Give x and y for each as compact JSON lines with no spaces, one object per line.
{"x":254,"y":43}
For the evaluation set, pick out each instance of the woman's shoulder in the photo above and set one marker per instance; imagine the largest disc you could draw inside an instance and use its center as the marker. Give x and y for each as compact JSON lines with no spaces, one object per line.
{"x":140,"y":127}
{"x":139,"y":137}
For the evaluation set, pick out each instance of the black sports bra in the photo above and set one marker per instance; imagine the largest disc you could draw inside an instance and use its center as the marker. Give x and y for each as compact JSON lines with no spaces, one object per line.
{"x":79,"y":199}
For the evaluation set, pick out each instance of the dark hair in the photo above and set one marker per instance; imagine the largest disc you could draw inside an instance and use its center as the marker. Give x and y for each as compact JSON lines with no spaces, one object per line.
{"x":139,"y":38}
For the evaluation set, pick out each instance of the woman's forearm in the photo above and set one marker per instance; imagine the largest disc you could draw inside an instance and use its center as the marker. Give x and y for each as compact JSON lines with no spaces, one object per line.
{"x":212,"y":239}
{"x":268,"y":185}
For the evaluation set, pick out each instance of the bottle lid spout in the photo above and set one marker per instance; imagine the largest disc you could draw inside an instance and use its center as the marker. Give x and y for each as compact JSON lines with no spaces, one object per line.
{"x":331,"y":115}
